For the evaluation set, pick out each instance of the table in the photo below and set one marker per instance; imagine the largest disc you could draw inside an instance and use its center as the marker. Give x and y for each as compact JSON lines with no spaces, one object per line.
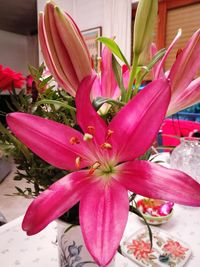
{"x":19,"y":250}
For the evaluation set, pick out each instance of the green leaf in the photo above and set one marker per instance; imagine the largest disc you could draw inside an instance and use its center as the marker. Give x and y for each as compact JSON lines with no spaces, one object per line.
{"x":156,"y":58}
{"x":112,"y":45}
{"x":55,"y":102}
{"x":118,"y":75}
{"x":99,"y":101}
{"x":33,"y":71}
{"x":41,"y":68}
{"x":15,"y":102}
{"x":9,"y":106}
{"x":16,"y":142}
{"x":19,"y":190}
{"x":45,"y":81}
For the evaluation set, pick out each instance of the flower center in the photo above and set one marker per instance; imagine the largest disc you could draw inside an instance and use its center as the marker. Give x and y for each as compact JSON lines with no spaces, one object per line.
{"x":101,"y":154}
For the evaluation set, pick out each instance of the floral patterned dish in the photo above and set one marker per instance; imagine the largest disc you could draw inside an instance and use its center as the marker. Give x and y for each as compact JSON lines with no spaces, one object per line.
{"x":166,"y":251}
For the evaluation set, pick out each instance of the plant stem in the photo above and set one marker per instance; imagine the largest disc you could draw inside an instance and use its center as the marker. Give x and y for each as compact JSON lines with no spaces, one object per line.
{"x":132,"y":76}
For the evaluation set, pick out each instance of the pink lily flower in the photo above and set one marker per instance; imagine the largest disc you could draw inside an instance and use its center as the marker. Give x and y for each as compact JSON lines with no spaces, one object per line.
{"x":106,"y":85}
{"x":63,"y":47}
{"x":111,"y":154}
{"x":185,"y":89}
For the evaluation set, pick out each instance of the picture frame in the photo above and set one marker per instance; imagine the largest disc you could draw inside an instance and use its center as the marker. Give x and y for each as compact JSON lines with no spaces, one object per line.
{"x":90,"y":36}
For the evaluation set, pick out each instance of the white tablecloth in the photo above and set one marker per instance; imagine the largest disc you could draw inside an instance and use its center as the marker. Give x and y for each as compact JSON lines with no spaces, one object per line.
{"x":19,"y":250}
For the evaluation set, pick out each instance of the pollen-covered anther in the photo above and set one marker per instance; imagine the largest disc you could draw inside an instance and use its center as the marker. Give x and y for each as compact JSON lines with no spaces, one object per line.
{"x":87,"y":137}
{"x":106,"y":146}
{"x":109,"y":133}
{"x":78,"y":162}
{"x":91,"y":130}
{"x":74,"y":140}
{"x":95,"y":166}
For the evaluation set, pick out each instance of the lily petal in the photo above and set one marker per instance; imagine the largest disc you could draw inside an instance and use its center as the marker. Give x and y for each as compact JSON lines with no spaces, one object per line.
{"x":96,"y":88}
{"x":49,"y":140}
{"x":55,"y":201}
{"x":159,"y":69}
{"x":86,"y":114}
{"x":186,"y":65}
{"x":46,"y":52}
{"x":103,"y":217}
{"x":108,"y":82}
{"x":126,"y":77}
{"x":155,"y":181}
{"x":132,"y":122}
{"x":73,"y":44}
{"x":59,"y":54}
{"x":187,"y":97}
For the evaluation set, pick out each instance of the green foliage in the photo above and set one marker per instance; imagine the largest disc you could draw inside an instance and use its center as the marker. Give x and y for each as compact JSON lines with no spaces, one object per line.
{"x":112,"y":45}
{"x":45,"y":101}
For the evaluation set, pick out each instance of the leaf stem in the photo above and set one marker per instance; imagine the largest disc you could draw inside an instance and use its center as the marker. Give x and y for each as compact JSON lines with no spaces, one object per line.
{"x":55,"y":102}
{"x":132,"y":76}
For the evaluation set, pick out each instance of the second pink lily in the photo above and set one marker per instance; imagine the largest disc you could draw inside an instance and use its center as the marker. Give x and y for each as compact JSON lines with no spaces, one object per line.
{"x":185,"y":89}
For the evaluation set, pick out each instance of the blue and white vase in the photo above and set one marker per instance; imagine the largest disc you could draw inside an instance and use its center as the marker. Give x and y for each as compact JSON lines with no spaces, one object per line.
{"x":71,"y":247}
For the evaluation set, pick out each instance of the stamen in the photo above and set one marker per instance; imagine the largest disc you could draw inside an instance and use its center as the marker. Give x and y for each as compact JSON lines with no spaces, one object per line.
{"x":91,"y":130}
{"x":95,"y":166}
{"x":109,"y":133}
{"x":106,"y":146}
{"x":74,"y":140}
{"x":78,"y":162}
{"x":87,"y":137}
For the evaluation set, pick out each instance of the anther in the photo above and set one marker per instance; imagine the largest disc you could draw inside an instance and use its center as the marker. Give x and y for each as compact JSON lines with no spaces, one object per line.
{"x":95,"y":166}
{"x":91,"y":130}
{"x":78,"y":162}
{"x":109,"y":133}
{"x":87,"y":137}
{"x":106,"y":146}
{"x":74,"y":140}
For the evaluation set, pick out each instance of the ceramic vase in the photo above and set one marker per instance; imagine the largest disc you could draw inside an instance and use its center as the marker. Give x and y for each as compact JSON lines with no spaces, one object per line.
{"x":72,"y":251}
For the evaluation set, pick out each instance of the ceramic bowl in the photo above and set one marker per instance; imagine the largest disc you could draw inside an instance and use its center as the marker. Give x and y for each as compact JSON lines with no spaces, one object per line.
{"x":145,"y":204}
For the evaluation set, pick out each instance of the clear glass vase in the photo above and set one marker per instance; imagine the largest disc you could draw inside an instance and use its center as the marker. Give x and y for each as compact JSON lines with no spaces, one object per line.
{"x":186,"y":157}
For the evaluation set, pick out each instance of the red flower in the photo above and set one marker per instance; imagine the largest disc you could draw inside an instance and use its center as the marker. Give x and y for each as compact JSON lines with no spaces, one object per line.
{"x":174,"y":248}
{"x":140,"y":249}
{"x":9,"y":78}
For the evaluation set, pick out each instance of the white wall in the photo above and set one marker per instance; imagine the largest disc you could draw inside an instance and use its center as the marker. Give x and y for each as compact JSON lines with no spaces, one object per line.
{"x":17,"y":51}
{"x":86,"y":13}
{"x":13,"y":51}
{"x":32,"y":50}
{"x":89,"y":14}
